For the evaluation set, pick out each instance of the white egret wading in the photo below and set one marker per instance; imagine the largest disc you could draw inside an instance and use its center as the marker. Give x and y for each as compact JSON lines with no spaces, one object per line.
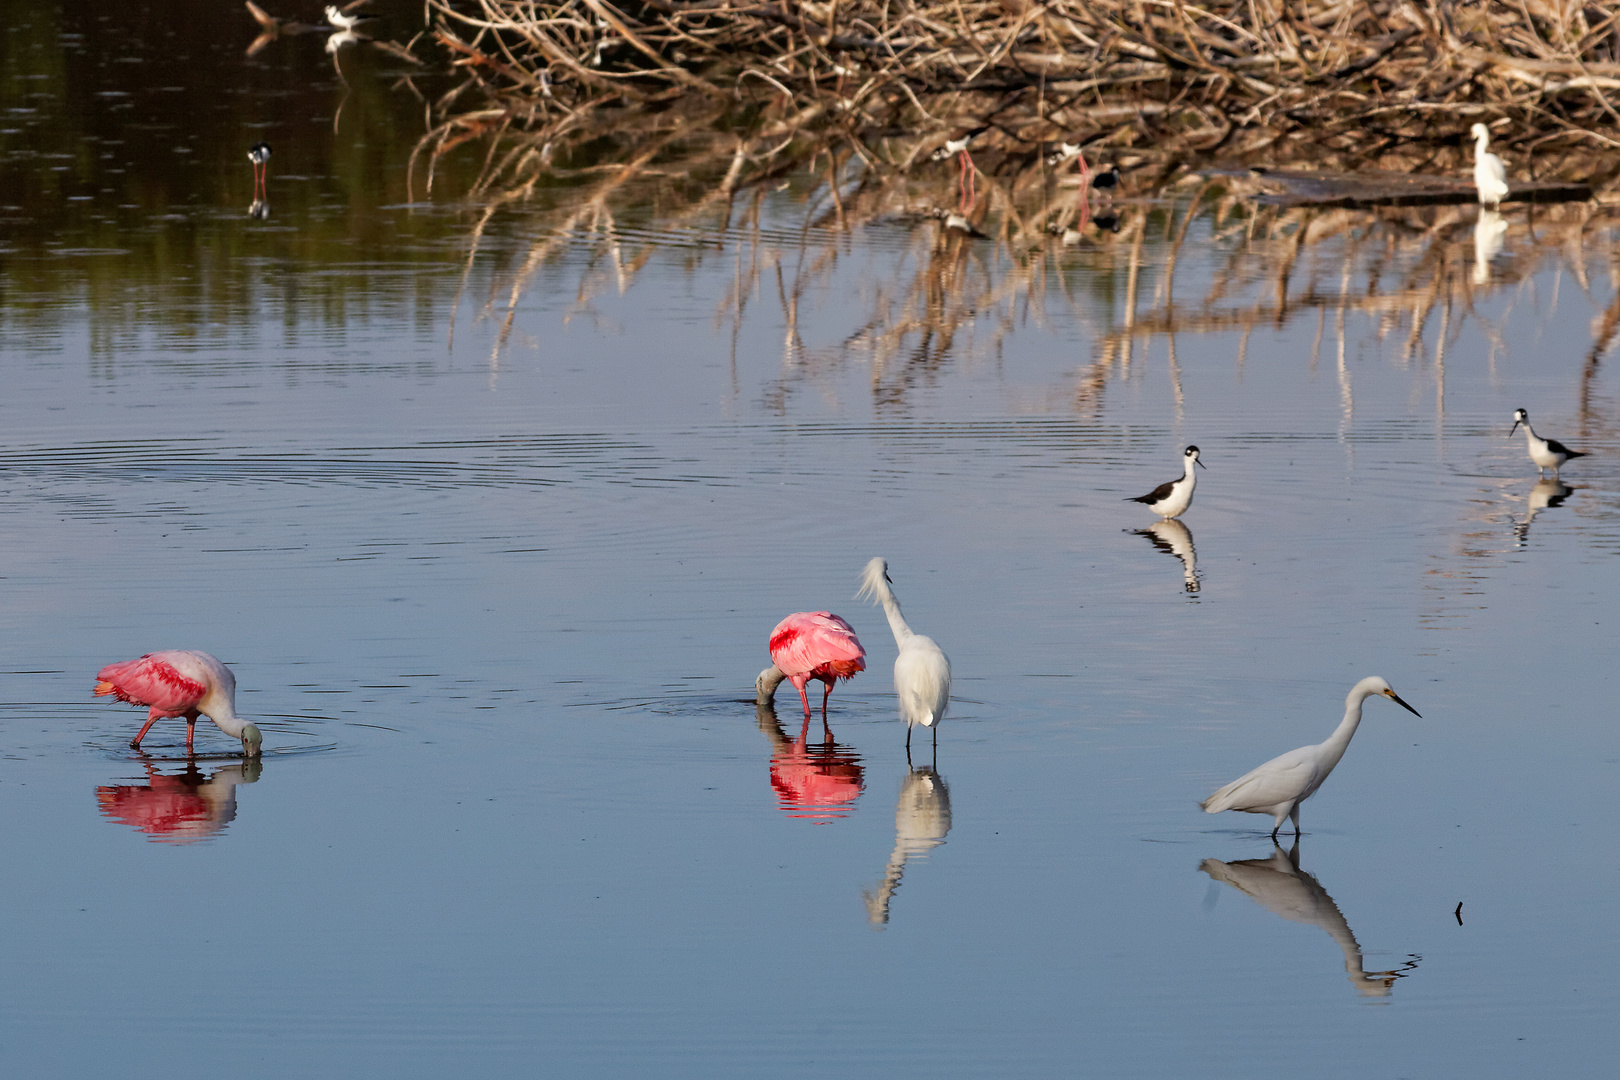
{"x":922,"y":671}
{"x":1170,"y":500}
{"x":1281,"y":784}
{"x":1546,"y":453}
{"x":1490,"y":176}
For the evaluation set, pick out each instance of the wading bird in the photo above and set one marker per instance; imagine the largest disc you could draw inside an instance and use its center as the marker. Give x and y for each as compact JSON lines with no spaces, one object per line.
{"x":1490,"y":176}
{"x":341,"y":18}
{"x":810,"y":645}
{"x":176,"y":683}
{"x":965,"y":171}
{"x":1171,"y":499}
{"x":922,"y":671}
{"x":259,"y":154}
{"x":1107,"y":180}
{"x":1281,"y":784}
{"x":1546,"y":453}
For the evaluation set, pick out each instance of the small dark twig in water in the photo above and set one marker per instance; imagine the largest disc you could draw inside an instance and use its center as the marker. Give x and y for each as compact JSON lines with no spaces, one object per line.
{"x":1458,"y":913}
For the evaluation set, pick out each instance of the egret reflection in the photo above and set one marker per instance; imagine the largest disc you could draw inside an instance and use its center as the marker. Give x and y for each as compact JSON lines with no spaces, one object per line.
{"x":1489,"y":233}
{"x":1281,"y":887}
{"x":921,"y":819}
{"x":816,"y":781}
{"x":1173,"y":538}
{"x":182,"y":807}
{"x":1548,"y":493}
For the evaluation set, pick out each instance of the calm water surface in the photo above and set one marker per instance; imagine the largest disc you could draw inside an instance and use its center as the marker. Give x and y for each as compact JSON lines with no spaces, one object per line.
{"x":497,"y":593}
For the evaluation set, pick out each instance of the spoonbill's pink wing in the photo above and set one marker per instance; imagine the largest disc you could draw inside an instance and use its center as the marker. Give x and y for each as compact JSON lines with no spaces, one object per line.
{"x":816,"y":642}
{"x":151,"y":680}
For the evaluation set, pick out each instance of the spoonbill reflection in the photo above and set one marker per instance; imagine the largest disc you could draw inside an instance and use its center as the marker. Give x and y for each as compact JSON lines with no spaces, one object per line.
{"x":1490,"y":176}
{"x":922,"y":671}
{"x":1281,"y":784}
{"x":1172,"y":498}
{"x":1281,"y":887}
{"x":818,"y":782}
{"x":1546,"y":453}
{"x":180,"y":682}
{"x":178,"y":808}
{"x":1547,"y":492}
{"x":1173,"y":538}
{"x":810,"y":645}
{"x":921,"y":819}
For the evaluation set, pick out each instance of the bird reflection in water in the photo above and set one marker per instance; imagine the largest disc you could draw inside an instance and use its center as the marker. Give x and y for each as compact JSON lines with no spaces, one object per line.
{"x":921,"y":820}
{"x":259,"y":210}
{"x":1173,"y":538}
{"x":1549,"y":492}
{"x":1281,"y":887}
{"x":182,"y":807}
{"x":819,"y":782}
{"x":1489,"y":232}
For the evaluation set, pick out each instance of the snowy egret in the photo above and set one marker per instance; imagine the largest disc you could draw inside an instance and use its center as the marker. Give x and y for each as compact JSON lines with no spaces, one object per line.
{"x":1546,"y":453}
{"x":1171,"y":499}
{"x":1281,"y":784}
{"x":1490,"y":176}
{"x":810,"y":645}
{"x":922,"y":671}
{"x":180,"y":682}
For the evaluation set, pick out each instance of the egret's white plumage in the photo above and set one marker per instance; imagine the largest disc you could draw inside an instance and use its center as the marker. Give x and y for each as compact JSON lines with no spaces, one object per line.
{"x":922,"y":671}
{"x":1281,"y":784}
{"x":1546,"y":453}
{"x":1490,"y":175}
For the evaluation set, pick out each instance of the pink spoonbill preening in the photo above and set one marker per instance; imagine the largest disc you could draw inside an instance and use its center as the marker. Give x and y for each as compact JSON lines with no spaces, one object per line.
{"x":180,"y":683}
{"x":810,"y":645}
{"x":922,"y":671}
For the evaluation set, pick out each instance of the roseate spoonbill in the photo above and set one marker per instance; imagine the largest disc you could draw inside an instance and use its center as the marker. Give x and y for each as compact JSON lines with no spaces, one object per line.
{"x":1490,"y":176}
{"x":180,"y":682}
{"x":922,"y":671}
{"x":810,"y":645}
{"x":1170,"y":500}
{"x":1279,"y":885}
{"x":1281,"y":784}
{"x":922,"y":818}
{"x":259,"y":154}
{"x":1546,"y":453}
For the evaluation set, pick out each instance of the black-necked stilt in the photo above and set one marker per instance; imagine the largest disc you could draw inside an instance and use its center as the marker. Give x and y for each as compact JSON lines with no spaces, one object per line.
{"x":1546,"y":453}
{"x":1281,"y":784}
{"x":259,"y":154}
{"x":341,"y":18}
{"x":1172,"y":499}
{"x":1066,"y":151}
{"x":1490,"y":176}
{"x":1106,"y":180}
{"x":959,"y":147}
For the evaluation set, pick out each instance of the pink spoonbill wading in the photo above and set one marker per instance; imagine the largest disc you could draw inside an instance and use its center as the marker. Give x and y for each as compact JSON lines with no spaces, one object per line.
{"x":810,"y":645}
{"x":180,"y":683}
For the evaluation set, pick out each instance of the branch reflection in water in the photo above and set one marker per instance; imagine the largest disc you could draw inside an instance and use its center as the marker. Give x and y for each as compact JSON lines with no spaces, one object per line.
{"x":1173,"y":538}
{"x":780,"y":208}
{"x":1281,"y":887}
{"x":182,"y":807}
{"x":921,"y":819}
{"x":818,"y":782}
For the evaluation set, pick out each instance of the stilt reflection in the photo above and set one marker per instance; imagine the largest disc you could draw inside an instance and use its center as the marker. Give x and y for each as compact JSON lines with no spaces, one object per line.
{"x":1280,"y":886}
{"x":821,"y":781}
{"x":1549,"y":492}
{"x":1173,"y":538}
{"x":182,"y":807}
{"x":921,"y":820}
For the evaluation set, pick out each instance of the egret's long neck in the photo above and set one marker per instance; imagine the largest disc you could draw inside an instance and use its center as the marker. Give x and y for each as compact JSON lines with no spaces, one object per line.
{"x":1336,"y":743}
{"x":897,"y":621}
{"x":1480,"y":142}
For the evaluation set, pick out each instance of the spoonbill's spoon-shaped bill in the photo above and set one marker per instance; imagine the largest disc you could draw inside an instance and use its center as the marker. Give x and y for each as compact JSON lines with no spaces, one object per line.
{"x":1172,"y":498}
{"x":180,"y":683}
{"x":922,"y":671}
{"x":1281,"y":784}
{"x":810,"y":645}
